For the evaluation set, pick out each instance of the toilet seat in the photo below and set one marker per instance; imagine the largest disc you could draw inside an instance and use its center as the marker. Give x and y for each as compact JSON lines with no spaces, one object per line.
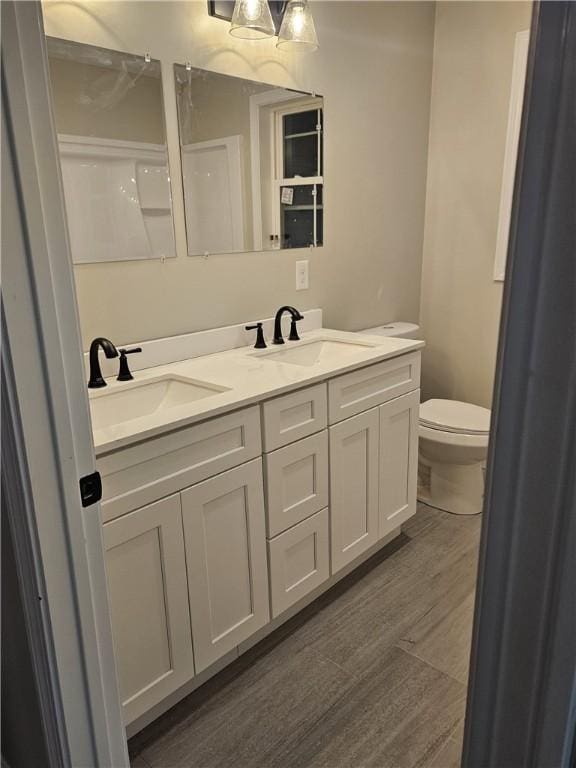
{"x":456,"y":417}
{"x":443,"y":437}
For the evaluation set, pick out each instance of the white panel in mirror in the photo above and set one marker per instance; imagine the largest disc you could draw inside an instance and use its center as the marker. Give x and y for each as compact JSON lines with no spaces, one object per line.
{"x":252,"y":164}
{"x":109,"y":113}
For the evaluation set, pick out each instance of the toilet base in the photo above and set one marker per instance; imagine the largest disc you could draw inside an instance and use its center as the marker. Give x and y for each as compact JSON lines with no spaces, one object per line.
{"x":455,"y":488}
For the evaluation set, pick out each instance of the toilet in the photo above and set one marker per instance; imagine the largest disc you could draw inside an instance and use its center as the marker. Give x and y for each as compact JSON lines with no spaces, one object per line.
{"x":452,"y":446}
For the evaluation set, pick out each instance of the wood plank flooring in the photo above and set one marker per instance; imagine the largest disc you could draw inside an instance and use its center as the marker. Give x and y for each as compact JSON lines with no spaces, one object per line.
{"x":372,"y":674}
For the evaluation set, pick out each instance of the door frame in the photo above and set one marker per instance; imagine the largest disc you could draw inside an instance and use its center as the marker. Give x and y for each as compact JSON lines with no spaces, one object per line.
{"x":48,"y":406}
{"x":521,"y":702}
{"x":522,"y":690}
{"x":258,"y":102}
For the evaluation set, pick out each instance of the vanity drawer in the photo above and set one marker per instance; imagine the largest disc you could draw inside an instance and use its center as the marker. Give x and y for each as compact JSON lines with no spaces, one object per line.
{"x":299,"y":561}
{"x":142,"y":473}
{"x":294,"y":416}
{"x":296,"y":482}
{"x":363,"y":389}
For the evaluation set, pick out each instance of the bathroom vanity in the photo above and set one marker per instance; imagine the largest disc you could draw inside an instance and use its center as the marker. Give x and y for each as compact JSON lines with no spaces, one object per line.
{"x":241,"y":484}
{"x":230,"y":505}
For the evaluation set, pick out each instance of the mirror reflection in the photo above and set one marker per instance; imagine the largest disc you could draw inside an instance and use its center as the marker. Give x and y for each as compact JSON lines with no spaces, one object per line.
{"x":252,"y":164}
{"x":109,"y":115}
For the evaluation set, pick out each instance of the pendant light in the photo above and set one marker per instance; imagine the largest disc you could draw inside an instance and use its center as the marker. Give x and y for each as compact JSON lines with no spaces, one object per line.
{"x":252,"y":20}
{"x":297,"y":31}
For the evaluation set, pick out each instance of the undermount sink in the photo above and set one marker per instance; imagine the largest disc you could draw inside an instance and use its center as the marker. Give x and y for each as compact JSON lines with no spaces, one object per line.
{"x":316,"y":352}
{"x":144,"y":398}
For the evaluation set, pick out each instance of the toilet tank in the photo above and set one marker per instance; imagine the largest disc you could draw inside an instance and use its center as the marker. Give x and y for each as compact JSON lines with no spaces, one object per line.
{"x":397,"y":328}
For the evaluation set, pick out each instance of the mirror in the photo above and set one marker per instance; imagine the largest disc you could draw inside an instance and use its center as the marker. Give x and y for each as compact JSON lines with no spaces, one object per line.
{"x":252,"y":164}
{"x":109,"y":114}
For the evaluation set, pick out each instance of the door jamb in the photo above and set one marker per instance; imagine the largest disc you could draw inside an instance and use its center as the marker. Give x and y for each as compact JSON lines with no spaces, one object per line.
{"x":43,"y":336}
{"x":522,"y":691}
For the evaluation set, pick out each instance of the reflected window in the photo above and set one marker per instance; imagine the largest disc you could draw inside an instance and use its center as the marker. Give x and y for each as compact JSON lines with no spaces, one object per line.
{"x":302,"y":139}
{"x":299,"y":199}
{"x":252,"y":163}
{"x":301,"y":220}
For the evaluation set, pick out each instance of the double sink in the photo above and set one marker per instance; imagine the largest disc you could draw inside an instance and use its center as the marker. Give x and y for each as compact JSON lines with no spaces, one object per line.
{"x":155,"y":395}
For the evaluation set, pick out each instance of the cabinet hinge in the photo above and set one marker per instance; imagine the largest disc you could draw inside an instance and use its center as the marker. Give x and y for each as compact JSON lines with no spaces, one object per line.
{"x":90,"y":489}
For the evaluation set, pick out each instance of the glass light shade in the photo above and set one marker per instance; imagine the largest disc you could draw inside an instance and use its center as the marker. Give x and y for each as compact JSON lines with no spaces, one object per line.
{"x":297,"y":32}
{"x":252,"y":20}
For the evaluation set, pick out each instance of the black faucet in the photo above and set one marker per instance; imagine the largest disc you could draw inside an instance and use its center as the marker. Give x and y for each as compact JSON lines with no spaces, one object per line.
{"x":110,"y":351}
{"x":260,"y":341}
{"x":124,"y":373}
{"x":278,"y":325}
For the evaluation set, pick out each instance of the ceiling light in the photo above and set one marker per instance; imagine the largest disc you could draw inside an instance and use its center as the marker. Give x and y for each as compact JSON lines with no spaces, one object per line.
{"x":297,"y":31}
{"x":252,"y":20}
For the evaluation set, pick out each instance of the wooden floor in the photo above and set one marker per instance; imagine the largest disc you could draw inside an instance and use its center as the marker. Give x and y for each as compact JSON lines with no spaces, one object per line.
{"x":372,"y":674}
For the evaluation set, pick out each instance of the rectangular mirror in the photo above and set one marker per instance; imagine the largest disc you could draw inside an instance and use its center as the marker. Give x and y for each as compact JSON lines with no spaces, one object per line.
{"x":109,"y":112}
{"x":252,"y":164}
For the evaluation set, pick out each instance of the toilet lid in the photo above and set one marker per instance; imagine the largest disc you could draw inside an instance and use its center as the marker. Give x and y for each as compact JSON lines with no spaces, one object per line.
{"x":455,"y":416}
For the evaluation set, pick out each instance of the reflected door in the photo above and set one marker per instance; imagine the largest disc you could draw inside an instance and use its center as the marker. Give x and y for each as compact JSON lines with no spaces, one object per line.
{"x":212,"y":173}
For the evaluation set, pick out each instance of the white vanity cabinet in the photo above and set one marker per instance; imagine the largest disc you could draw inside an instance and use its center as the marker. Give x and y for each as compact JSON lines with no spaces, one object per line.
{"x":373,"y":454}
{"x":225,"y":537}
{"x":216,"y":530}
{"x":373,"y":475}
{"x":200,"y":550}
{"x":146,"y":571}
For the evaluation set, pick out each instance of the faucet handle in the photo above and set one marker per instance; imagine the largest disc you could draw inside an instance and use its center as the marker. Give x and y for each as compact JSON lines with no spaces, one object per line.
{"x":293,"y":329}
{"x":124,"y":374}
{"x":260,"y":342}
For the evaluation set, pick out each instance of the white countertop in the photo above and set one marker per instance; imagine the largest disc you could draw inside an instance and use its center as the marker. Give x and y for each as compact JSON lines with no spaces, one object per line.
{"x":249,"y":378}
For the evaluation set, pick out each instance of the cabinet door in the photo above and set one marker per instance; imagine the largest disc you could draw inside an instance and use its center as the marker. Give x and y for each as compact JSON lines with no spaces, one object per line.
{"x":296,"y":482}
{"x":299,"y":561}
{"x":225,"y":538}
{"x":146,"y":572}
{"x":354,"y":487}
{"x":398,"y":460}
{"x":151,"y":469}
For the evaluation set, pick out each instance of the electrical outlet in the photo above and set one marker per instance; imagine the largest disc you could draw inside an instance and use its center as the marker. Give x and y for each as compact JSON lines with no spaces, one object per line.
{"x":302,"y":278}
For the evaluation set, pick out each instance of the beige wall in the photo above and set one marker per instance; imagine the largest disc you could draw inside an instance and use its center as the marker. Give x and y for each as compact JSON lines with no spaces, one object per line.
{"x":460,"y":305}
{"x":373,"y":69}
{"x":137,"y":116}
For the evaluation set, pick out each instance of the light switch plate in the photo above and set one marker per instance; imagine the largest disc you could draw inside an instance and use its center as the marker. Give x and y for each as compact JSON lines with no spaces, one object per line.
{"x":302,"y":277}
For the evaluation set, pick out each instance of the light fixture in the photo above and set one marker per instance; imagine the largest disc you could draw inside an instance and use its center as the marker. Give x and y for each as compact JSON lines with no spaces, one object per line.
{"x":297,"y":31}
{"x":252,"y":20}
